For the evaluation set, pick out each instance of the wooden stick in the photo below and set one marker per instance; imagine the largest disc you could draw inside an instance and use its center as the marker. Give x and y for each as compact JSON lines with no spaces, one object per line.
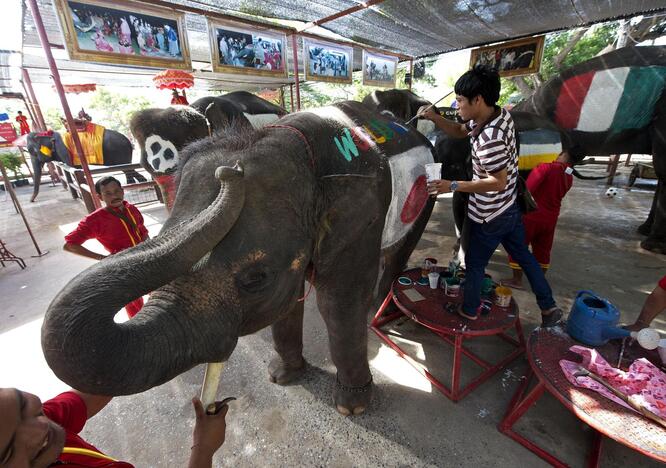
{"x":431,"y":105}
{"x":583,"y":372}
{"x":210,"y":383}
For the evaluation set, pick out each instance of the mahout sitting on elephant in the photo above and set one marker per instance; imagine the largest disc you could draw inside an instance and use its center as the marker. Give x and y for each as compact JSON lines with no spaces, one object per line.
{"x":335,"y":195}
{"x":49,"y":146}
{"x":163,"y":133}
{"x":614,"y":104}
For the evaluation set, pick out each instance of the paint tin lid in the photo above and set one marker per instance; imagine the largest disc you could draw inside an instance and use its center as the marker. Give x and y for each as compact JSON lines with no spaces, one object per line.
{"x":404,"y":281}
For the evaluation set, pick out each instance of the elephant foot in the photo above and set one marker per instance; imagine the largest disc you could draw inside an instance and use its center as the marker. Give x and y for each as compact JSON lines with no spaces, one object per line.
{"x":644,"y":229}
{"x":654,"y":245}
{"x":352,"y":400}
{"x":282,"y":373}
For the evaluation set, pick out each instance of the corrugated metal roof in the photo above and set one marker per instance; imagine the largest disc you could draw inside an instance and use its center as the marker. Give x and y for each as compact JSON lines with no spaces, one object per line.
{"x":408,"y":27}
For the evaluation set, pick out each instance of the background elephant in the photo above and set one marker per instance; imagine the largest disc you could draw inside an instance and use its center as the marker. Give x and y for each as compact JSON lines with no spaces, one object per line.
{"x":116,"y":149}
{"x":163,"y":133}
{"x":613,"y":104}
{"x":317,"y":198}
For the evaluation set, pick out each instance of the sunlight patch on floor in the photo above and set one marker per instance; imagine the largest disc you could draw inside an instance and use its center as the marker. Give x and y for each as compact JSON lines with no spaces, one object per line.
{"x":23,"y":365}
{"x":398,"y":370}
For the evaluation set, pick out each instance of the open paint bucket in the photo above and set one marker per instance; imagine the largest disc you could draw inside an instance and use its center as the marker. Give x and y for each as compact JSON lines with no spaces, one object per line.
{"x":502,"y":296}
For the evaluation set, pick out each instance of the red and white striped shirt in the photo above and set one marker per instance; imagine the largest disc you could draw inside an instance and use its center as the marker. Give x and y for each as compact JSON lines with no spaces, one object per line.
{"x":493,"y":149}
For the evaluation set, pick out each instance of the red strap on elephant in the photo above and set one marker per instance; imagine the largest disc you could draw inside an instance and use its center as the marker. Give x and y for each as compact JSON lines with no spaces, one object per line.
{"x":311,"y":281}
{"x":301,"y":136}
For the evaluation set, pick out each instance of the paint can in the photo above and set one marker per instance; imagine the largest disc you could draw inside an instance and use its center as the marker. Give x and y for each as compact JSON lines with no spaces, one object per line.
{"x":502,"y":296}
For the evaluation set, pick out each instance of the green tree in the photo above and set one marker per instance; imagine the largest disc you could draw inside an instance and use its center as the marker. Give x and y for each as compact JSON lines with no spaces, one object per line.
{"x":114,"y":110}
{"x":52,"y":116}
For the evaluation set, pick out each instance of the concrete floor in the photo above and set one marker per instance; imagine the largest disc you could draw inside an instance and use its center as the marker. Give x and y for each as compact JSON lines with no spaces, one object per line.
{"x":409,"y":423}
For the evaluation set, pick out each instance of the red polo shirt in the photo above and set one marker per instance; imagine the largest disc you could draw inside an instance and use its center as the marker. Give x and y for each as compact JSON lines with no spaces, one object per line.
{"x":549,"y":183}
{"x":69,"y":411}
{"x":111,"y":231}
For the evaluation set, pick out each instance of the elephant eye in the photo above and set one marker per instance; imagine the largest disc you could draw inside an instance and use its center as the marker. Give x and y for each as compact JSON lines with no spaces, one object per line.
{"x":254,"y":280}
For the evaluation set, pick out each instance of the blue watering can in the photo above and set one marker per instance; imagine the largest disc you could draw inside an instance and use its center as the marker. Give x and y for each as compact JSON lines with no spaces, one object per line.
{"x":593,"y":320}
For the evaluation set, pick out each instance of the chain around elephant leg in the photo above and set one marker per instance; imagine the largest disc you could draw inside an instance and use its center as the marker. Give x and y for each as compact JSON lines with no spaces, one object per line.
{"x":289,"y":364}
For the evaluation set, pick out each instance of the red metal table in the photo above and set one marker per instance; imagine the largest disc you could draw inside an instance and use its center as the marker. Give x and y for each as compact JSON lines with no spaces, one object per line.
{"x":545,"y":349}
{"x":451,"y":328}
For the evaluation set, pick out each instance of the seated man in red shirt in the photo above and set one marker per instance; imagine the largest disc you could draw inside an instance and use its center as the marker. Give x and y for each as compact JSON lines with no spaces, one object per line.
{"x":653,"y":306}
{"x":117,"y":226}
{"x":36,"y":435}
{"x":548,"y":183}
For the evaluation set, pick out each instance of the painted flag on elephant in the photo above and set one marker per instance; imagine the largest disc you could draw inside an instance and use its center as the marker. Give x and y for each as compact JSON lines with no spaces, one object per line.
{"x":410,"y":193}
{"x":612,"y":100}
{"x":538,"y":146}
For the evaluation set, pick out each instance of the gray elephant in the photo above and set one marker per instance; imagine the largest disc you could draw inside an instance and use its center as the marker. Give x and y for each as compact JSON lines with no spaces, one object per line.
{"x":335,"y":195}
{"x":163,"y":133}
{"x":612,"y":104}
{"x":49,"y":146}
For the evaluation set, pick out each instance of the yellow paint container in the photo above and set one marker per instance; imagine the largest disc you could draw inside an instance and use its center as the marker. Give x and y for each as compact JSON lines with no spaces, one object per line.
{"x":502,"y":296}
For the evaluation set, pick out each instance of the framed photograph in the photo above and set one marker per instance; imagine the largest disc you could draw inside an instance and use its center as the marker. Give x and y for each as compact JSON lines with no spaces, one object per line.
{"x":247,"y":50}
{"x":379,"y":69}
{"x":521,"y":57}
{"x":325,"y":61}
{"x":124,"y":32}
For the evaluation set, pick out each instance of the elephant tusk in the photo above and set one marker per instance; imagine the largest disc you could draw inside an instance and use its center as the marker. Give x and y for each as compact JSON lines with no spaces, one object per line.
{"x":209,"y":387}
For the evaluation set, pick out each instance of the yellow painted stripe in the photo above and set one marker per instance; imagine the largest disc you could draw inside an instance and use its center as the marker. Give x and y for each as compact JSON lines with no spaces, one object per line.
{"x":528,"y":162}
{"x":84,"y":451}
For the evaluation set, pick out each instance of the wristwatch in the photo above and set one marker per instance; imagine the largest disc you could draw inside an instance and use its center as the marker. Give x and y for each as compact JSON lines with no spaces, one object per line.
{"x":454,"y":185}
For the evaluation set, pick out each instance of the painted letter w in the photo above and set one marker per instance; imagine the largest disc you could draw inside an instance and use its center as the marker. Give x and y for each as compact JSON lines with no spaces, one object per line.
{"x":347,"y":147}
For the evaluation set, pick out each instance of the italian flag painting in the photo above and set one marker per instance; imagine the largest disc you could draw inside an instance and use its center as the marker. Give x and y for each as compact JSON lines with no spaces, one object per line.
{"x":611,"y":100}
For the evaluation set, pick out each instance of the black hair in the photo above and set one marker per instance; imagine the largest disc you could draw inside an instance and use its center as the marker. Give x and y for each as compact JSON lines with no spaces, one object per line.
{"x":479,"y":81}
{"x":105,"y":181}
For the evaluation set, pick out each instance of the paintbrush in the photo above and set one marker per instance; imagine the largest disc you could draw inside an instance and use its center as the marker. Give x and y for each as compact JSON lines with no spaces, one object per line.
{"x":431,"y":105}
{"x":583,"y":372}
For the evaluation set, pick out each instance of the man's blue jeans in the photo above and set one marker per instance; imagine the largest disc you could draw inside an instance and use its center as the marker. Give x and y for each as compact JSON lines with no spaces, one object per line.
{"x":507,"y":229}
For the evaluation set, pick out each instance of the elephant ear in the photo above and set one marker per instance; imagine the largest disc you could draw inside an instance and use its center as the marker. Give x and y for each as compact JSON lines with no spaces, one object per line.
{"x":344,"y":221}
{"x":217,"y":119}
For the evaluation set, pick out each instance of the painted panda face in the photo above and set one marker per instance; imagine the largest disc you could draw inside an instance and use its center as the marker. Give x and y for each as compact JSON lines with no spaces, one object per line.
{"x":161,"y":154}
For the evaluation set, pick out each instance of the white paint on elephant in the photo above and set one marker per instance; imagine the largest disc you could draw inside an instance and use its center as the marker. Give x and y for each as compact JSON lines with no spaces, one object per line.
{"x":161,"y":154}
{"x":425,"y":127}
{"x":406,"y":168}
{"x":261,"y":120}
{"x":540,"y":148}
{"x":602,"y":99}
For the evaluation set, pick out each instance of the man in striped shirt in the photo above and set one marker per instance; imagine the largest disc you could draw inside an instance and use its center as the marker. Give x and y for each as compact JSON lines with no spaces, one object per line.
{"x":492,"y":209}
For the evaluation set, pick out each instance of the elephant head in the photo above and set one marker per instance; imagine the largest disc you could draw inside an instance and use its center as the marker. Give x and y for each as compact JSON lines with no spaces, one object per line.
{"x":43,"y":147}
{"x":214,"y":272}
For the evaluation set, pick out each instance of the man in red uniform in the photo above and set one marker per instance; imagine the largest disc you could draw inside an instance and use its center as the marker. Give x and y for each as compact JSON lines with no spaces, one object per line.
{"x":117,"y":226}
{"x":23,"y":123}
{"x":39,"y":436}
{"x":548,"y":184}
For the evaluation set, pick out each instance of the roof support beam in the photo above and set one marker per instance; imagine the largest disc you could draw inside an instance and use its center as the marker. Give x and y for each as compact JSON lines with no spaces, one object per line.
{"x":340,"y":14}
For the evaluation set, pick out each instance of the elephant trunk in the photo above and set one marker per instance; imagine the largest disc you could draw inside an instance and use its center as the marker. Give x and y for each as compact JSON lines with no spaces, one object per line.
{"x":86,"y":349}
{"x":36,"y":177}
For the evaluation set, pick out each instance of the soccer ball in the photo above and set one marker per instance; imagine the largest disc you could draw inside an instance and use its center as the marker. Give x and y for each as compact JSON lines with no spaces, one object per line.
{"x":611,"y":192}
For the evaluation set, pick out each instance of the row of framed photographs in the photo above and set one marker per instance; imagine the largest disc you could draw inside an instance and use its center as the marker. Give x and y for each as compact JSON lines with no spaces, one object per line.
{"x":126,"y":32}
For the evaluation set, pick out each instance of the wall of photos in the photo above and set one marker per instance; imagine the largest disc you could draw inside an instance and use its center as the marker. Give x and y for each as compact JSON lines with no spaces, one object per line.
{"x":129,"y":32}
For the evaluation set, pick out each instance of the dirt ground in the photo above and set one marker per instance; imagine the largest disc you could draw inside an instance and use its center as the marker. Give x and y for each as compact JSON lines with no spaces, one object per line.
{"x":409,"y":423}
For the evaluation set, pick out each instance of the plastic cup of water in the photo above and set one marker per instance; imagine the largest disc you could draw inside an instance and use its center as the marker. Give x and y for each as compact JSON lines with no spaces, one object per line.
{"x":433,"y":172}
{"x":433,"y":277}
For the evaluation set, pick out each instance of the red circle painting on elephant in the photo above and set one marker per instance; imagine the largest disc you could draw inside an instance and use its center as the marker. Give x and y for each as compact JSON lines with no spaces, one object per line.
{"x":416,"y":200}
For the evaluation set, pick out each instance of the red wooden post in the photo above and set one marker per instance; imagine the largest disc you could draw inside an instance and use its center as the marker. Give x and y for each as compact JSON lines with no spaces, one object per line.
{"x":411,"y":73}
{"x":291,"y":96}
{"x":33,"y":99}
{"x":294,"y":47}
{"x":61,"y":93}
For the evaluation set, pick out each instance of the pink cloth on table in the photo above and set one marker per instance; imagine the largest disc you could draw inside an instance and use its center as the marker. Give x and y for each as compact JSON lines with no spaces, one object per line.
{"x":644,"y":383}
